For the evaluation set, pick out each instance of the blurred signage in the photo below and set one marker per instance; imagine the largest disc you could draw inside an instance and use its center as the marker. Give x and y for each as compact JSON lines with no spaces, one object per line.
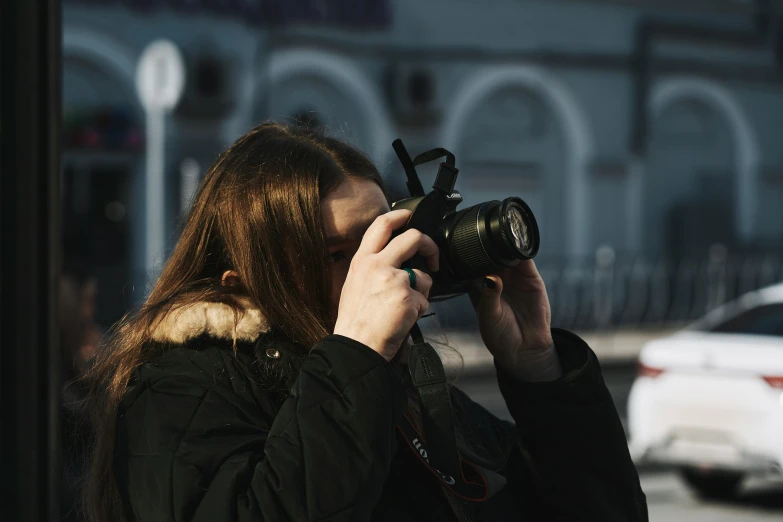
{"x":103,"y":128}
{"x":349,"y":13}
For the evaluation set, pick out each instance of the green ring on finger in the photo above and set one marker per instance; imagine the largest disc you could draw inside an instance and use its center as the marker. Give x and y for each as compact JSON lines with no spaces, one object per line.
{"x":411,"y":277}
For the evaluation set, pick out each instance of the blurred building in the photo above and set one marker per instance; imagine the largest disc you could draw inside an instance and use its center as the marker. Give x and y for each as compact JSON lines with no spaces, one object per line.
{"x":541,"y":99}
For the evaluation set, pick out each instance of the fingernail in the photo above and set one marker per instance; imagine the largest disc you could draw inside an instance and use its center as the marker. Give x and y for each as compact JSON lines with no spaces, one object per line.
{"x":489,"y":283}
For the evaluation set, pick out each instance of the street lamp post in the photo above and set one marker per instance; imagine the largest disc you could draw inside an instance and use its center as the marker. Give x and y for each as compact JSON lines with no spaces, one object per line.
{"x":160,"y":80}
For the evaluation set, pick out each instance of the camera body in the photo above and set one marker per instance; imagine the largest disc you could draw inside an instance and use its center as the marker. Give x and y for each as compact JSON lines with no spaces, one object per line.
{"x":475,"y":241}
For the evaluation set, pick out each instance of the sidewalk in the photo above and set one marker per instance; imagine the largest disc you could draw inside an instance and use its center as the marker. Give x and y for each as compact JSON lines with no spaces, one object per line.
{"x":613,"y":347}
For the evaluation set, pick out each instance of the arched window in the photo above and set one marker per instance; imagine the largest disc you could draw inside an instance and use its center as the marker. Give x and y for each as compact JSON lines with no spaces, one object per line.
{"x":308,"y":117}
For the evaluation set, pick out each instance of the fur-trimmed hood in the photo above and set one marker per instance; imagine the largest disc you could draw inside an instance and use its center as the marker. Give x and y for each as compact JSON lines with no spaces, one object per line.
{"x":218,"y":320}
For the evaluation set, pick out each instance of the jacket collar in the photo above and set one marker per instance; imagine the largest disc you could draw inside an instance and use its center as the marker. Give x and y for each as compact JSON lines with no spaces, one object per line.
{"x":180,"y":324}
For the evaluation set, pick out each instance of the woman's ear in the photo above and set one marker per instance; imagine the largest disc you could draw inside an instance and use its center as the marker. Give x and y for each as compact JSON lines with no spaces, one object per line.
{"x":230,"y":278}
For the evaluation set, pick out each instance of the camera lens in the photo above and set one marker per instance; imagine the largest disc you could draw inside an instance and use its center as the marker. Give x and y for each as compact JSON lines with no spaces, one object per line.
{"x":490,"y":236}
{"x":518,"y":228}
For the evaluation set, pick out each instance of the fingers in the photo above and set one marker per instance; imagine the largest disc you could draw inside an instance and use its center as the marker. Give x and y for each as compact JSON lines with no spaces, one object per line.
{"x":402,"y":247}
{"x":380,"y":231}
{"x":423,"y":282}
{"x":410,"y":243}
{"x":423,"y":305}
{"x":527,"y":268}
{"x":421,"y":292}
{"x":479,"y":289}
{"x":498,"y":280}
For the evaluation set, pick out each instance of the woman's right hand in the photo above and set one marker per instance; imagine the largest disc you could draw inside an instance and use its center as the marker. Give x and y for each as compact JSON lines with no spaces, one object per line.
{"x":378,"y":307}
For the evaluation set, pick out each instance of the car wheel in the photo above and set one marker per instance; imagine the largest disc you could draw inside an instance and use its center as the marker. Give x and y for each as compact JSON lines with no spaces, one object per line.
{"x":712,"y":484}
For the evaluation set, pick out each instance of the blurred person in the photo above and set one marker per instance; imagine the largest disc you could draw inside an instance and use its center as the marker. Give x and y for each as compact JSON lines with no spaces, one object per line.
{"x":80,"y":332}
{"x":79,"y":337}
{"x":265,"y":375}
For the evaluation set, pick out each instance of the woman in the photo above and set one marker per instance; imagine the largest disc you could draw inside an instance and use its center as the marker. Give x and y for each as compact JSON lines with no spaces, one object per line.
{"x":263,"y":378}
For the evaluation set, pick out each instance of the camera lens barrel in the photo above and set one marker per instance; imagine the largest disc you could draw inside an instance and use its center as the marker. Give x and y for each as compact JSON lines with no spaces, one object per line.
{"x":490,"y":236}
{"x":469,"y":255}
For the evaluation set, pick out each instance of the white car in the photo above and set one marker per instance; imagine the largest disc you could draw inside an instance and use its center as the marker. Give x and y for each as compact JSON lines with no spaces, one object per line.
{"x":709,"y":399}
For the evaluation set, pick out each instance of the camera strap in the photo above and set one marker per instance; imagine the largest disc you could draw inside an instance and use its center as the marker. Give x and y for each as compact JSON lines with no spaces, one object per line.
{"x":429,"y":378}
{"x":437,"y":447}
{"x":470,"y":483}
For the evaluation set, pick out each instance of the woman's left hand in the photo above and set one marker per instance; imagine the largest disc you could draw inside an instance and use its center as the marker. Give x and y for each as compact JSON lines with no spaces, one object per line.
{"x":514,"y":317}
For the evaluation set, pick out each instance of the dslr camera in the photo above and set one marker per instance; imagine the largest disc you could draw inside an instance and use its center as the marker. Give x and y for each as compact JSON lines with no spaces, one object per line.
{"x":475,"y":241}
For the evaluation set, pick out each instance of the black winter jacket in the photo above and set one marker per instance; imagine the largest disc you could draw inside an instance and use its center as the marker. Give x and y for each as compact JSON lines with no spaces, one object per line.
{"x":203,"y":437}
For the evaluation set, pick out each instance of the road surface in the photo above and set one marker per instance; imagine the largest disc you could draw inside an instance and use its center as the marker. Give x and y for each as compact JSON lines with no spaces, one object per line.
{"x":670,"y":500}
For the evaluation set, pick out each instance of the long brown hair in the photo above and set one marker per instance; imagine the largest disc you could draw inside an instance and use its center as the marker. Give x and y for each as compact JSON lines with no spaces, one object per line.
{"x":257,"y":212}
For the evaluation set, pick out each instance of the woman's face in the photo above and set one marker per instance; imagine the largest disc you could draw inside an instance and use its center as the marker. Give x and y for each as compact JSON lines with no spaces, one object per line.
{"x":347,"y":213}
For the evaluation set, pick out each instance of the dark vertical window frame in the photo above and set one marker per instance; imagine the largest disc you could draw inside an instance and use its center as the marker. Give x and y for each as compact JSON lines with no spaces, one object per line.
{"x":30,"y":92}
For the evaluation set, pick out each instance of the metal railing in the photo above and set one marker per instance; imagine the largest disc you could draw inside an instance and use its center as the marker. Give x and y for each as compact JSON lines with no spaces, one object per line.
{"x":601,"y":292}
{"x":610,"y":291}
